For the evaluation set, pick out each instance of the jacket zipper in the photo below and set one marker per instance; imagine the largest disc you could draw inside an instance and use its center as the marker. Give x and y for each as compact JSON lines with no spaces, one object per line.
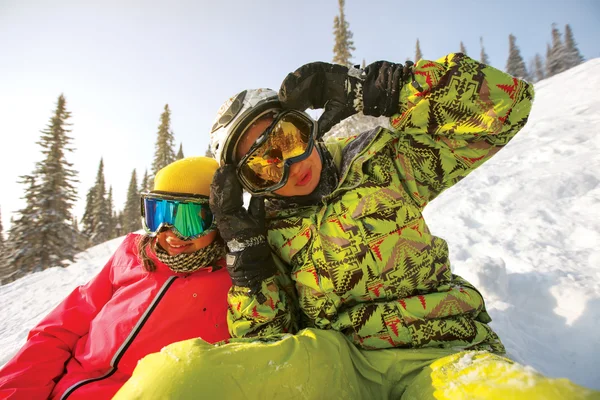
{"x":132,"y":335}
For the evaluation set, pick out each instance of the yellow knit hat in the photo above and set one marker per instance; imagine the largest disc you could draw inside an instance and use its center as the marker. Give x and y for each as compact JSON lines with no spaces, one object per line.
{"x":190,"y":175}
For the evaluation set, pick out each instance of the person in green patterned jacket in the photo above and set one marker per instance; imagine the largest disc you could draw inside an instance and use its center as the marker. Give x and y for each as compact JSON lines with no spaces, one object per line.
{"x":356,"y":275}
{"x":345,"y":217}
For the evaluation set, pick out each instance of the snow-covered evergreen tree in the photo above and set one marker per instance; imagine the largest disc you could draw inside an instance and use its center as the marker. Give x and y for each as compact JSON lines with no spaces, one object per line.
{"x":515,"y":64}
{"x":548,"y":53}
{"x":88,"y":215}
{"x":131,"y":211}
{"x":180,"y":152}
{"x":573,"y":56}
{"x":483,"y":58}
{"x":112,"y":215}
{"x":145,"y":184}
{"x":25,"y":257}
{"x":208,"y":153}
{"x":538,"y":65}
{"x":100,"y":212}
{"x":80,"y":238}
{"x":343,"y":47}
{"x":55,"y":185}
{"x":119,"y":224}
{"x":556,"y":61}
{"x":164,"y":153}
{"x":418,"y":53}
{"x":463,"y":49}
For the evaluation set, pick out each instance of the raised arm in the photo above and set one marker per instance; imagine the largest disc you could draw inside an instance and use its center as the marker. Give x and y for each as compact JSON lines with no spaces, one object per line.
{"x":452,"y":117}
{"x":448,"y":116}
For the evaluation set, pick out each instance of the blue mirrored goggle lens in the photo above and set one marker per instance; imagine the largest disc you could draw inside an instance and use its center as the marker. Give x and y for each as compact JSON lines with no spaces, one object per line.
{"x":189,"y":219}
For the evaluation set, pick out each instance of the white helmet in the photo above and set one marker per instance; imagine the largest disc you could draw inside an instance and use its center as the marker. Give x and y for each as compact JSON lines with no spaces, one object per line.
{"x":234,"y":116}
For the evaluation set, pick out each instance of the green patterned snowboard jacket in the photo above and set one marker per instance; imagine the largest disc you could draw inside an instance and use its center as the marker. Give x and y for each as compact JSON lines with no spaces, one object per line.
{"x":364,"y":262}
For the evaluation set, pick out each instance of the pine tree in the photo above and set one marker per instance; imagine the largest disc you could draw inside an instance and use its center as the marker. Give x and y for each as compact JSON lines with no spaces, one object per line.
{"x":88,"y":216}
{"x":483,"y":57}
{"x":515,"y":64}
{"x":538,"y":68}
{"x":418,"y":54}
{"x":573,"y":56}
{"x":145,"y":184}
{"x":112,"y":215}
{"x":55,"y":195}
{"x":80,"y":238}
{"x":343,"y":47}
{"x":164,"y":153}
{"x":463,"y":49}
{"x":556,"y":62}
{"x":208,"y":152}
{"x":100,"y":212}
{"x":25,"y":258}
{"x":180,"y":152}
{"x":131,"y":211}
{"x":548,"y":53}
{"x":119,"y":224}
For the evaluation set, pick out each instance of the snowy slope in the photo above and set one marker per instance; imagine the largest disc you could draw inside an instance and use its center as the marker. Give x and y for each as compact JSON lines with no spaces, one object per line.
{"x":24,"y":302}
{"x":525,"y":228}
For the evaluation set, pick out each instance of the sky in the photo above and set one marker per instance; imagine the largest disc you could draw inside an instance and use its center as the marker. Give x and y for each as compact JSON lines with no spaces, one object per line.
{"x":119,"y":62}
{"x":524,"y":228}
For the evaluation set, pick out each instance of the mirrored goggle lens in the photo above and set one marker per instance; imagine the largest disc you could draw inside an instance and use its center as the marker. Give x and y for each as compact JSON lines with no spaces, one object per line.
{"x":288,"y":138}
{"x":189,"y":219}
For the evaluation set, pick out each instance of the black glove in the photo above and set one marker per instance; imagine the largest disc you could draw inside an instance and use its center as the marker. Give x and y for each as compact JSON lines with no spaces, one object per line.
{"x":342,"y":92}
{"x":249,"y":260}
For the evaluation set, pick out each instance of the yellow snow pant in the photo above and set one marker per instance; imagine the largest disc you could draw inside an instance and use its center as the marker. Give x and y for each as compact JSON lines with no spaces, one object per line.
{"x":317,"y":364}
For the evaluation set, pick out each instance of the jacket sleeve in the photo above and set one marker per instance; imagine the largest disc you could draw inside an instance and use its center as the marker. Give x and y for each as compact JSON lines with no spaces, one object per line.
{"x":39,"y":364}
{"x":268,"y":312}
{"x":454,"y":115}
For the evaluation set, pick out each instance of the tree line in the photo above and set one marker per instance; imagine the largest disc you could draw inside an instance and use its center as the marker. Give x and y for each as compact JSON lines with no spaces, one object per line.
{"x":46,"y":233}
{"x":560,"y":54}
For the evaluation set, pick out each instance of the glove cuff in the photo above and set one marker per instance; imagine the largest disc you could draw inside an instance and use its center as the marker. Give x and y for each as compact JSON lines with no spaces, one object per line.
{"x":239,"y":245}
{"x":354,"y":88}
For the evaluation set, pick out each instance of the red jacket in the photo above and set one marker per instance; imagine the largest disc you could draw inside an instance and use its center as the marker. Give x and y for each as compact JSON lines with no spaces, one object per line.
{"x":88,"y":346}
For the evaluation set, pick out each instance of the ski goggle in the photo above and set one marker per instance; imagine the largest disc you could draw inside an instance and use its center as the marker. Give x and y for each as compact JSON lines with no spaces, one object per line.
{"x":188,"y":216}
{"x":289,"y":139}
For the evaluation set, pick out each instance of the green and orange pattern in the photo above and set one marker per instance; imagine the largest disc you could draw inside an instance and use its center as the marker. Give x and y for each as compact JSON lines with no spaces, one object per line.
{"x":364,"y":262}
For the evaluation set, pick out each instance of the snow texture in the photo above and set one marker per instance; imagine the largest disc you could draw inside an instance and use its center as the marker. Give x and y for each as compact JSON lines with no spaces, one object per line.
{"x":524,"y":228}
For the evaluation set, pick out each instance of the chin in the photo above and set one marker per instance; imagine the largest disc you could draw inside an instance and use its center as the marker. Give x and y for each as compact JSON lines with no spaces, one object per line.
{"x":310,"y":189}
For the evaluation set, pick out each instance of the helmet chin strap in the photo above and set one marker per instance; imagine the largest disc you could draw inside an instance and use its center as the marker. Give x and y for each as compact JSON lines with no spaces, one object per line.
{"x":328,"y":181}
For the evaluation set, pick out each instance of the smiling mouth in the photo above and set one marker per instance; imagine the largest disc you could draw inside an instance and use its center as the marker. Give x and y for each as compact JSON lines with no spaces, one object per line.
{"x":177,"y":248}
{"x":304,"y":179}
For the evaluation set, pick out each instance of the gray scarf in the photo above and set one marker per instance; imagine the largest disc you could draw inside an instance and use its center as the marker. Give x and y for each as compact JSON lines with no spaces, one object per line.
{"x":190,"y":262}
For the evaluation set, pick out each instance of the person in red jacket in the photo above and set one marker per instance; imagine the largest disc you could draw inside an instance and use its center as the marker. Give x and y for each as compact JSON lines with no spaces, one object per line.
{"x":166,"y":286}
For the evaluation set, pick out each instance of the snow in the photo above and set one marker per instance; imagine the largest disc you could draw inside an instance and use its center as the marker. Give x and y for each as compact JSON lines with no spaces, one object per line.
{"x":524,"y":228}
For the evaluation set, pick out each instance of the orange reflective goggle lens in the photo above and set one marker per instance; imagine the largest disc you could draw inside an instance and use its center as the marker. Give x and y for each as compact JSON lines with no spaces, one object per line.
{"x":288,"y":140}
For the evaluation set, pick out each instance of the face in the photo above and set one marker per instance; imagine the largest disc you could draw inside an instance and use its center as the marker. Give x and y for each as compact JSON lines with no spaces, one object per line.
{"x":173,"y":245}
{"x":304,"y":175}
